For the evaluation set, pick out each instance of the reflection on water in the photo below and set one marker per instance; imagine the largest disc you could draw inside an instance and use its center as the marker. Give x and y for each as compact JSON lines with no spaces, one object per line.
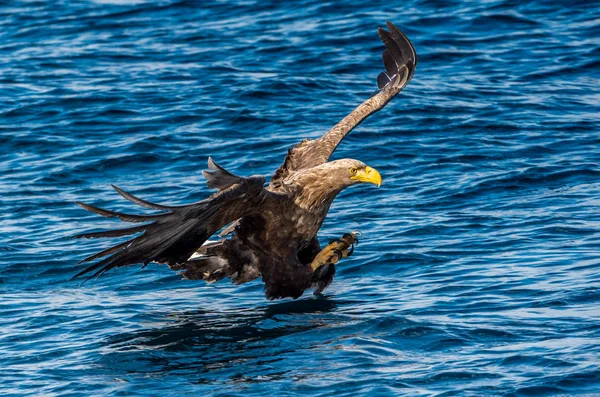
{"x":199,"y":328}
{"x":212,"y":339}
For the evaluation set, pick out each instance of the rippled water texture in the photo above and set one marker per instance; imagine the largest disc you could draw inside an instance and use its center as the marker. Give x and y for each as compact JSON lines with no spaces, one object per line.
{"x":478,"y":273}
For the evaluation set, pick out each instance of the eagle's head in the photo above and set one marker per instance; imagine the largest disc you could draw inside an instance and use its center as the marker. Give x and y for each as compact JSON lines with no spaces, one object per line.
{"x":339,"y":174}
{"x":319,"y":185}
{"x":355,"y":171}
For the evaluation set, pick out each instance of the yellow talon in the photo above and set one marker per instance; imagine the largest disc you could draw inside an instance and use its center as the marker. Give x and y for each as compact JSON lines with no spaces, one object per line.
{"x":336,"y":250}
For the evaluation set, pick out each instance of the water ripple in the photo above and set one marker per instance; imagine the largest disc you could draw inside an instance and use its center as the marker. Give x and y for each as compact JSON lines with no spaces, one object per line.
{"x":478,"y":271}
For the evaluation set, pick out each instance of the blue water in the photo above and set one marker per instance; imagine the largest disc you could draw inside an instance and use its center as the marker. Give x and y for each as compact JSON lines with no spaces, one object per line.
{"x":478,"y":272}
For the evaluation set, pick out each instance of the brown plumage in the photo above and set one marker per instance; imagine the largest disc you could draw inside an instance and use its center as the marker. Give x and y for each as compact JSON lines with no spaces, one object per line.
{"x":273,"y":229}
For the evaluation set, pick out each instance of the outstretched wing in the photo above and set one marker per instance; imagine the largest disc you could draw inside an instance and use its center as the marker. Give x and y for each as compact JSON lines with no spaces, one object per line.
{"x":400,"y":61}
{"x":173,"y":236}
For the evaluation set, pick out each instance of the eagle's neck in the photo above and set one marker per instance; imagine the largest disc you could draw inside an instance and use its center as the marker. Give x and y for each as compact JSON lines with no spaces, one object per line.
{"x":316,"y":190}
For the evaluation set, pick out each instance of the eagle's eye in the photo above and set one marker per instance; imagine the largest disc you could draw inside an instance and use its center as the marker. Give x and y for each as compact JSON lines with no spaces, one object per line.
{"x":353,"y":170}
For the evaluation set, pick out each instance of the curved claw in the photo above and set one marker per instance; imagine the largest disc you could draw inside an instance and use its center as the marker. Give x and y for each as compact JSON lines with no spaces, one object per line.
{"x":356,"y":235}
{"x":339,"y":254}
{"x":351,"y":250}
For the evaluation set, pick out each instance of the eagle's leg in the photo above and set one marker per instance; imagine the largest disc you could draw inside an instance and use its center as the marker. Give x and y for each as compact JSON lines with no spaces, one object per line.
{"x":336,"y":250}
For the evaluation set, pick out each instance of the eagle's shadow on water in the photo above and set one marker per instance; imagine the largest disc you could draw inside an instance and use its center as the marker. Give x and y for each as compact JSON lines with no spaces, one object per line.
{"x":203,"y":340}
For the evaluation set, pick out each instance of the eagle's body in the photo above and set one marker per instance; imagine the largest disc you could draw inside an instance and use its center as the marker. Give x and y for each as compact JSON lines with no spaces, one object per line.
{"x":273,"y":229}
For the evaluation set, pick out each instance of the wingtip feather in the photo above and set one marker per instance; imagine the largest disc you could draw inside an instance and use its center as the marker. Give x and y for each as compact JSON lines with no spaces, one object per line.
{"x":213,"y":166}
{"x":141,"y":202}
{"x":399,"y":50}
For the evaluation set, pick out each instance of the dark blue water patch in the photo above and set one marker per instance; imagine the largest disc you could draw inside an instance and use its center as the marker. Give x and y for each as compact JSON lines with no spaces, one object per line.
{"x":477,"y":274}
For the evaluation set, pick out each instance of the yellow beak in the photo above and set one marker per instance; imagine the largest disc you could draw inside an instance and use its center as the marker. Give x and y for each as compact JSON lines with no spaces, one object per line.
{"x":370,"y":175}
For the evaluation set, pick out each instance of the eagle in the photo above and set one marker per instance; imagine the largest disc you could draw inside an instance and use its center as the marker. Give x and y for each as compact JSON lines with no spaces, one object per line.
{"x":266,"y":231}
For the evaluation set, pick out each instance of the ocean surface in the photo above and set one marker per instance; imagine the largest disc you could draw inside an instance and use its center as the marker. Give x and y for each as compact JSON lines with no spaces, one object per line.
{"x":478,"y":273}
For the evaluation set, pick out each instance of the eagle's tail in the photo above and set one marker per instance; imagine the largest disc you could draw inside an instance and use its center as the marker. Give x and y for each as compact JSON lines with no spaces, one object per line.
{"x":221,"y":259}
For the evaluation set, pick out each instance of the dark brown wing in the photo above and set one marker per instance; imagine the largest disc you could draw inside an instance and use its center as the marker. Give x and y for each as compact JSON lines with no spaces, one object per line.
{"x":400,"y":61}
{"x":172,"y":237}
